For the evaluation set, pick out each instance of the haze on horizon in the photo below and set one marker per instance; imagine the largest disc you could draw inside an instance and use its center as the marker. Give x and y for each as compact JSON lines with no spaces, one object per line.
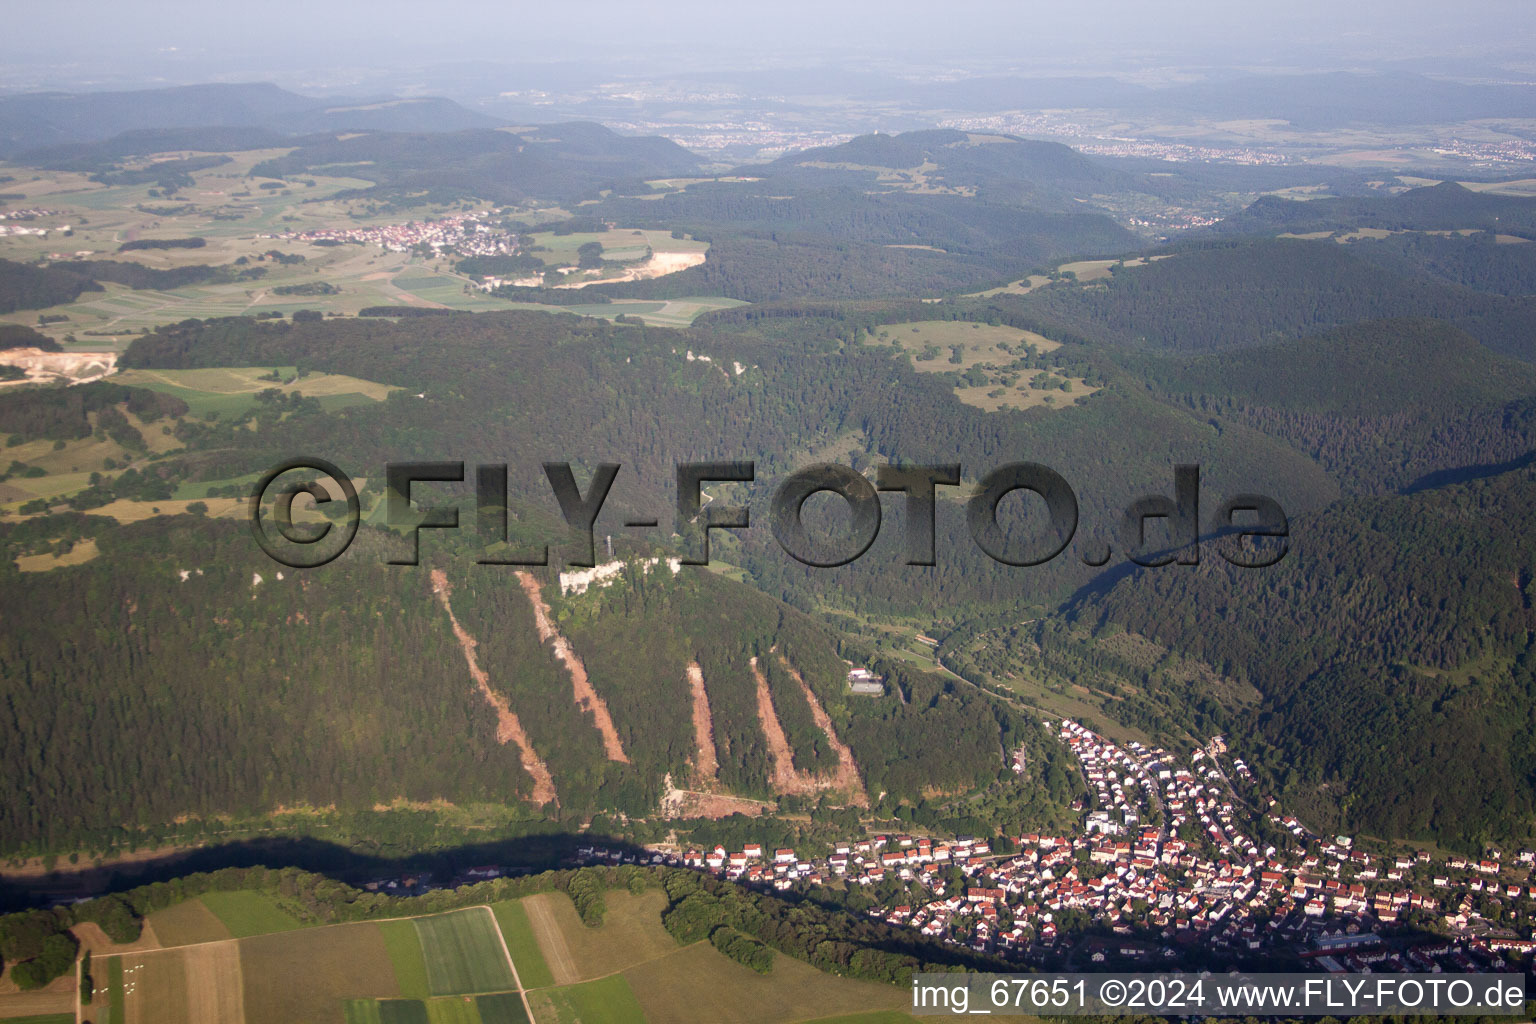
{"x":470,"y":46}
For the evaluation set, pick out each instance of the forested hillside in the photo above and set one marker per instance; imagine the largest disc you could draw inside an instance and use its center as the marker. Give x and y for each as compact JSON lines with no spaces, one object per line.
{"x":351,"y":689}
{"x":936,"y":298}
{"x":1404,"y":620}
{"x":1217,"y":297}
{"x":1383,"y":405}
{"x":1447,"y":206}
{"x":23,"y":286}
{"x":562,"y":162}
{"x":1001,"y":168}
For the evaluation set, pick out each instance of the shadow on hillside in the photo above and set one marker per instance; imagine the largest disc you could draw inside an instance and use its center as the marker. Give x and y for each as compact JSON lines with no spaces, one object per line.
{"x":1124,"y":568}
{"x":523,"y":855}
{"x":1467,"y":474}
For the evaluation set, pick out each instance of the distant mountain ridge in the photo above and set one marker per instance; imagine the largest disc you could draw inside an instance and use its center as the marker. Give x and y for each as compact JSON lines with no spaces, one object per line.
{"x":1447,"y":206}
{"x":563,"y":161}
{"x":1002,"y":167}
{"x":407,"y":144}
{"x":35,"y":121}
{"x":1317,"y":100}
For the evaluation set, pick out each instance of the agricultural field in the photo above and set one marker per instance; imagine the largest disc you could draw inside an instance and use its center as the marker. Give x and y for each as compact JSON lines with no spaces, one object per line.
{"x":463,"y":953}
{"x":631,"y":933}
{"x":668,"y":988}
{"x":232,"y":390}
{"x":500,"y":1008}
{"x":444,"y":969}
{"x":629,"y":969}
{"x":55,"y":998}
{"x":187,"y":922}
{"x":608,"y":1000}
{"x":453,"y":969}
{"x":65,"y":467}
{"x":186,"y":985}
{"x":517,"y":933}
{"x":404,"y":946}
{"x":988,"y":362}
{"x":306,"y":975}
{"x":241,"y":218}
{"x":247,"y":913}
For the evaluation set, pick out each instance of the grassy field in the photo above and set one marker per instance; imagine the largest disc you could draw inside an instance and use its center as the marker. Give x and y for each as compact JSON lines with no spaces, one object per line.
{"x":501,"y":1008}
{"x":620,"y":244}
{"x":305,"y":976}
{"x":463,"y":953}
{"x":662,"y":313}
{"x":1023,"y":287}
{"x":631,"y":933}
{"x":82,"y":552}
{"x":517,"y":932}
{"x":154,"y":988}
{"x":226,"y":208}
{"x":607,"y":1001}
{"x":669,"y":988}
{"x":935,"y":345}
{"x":247,"y":913}
{"x":41,"y":1018}
{"x":115,"y":992}
{"x":232,"y":390}
{"x":67,"y":466}
{"x":187,"y":922}
{"x":404,"y":947}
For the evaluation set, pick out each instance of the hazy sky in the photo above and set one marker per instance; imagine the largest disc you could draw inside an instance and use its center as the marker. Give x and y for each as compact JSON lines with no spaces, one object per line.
{"x":181,"y":41}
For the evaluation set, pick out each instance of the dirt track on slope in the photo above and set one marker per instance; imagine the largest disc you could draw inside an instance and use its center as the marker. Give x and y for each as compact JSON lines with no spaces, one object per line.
{"x":847,"y":778}
{"x":508,"y":728}
{"x":707,"y":799}
{"x":785,"y":779}
{"x":586,"y":697}
{"x":706,"y":762}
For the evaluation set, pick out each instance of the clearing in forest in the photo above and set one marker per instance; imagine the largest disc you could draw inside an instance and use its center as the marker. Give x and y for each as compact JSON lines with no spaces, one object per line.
{"x":586,"y":697}
{"x":786,"y":778}
{"x":706,"y":762}
{"x":508,"y":728}
{"x":994,"y":366}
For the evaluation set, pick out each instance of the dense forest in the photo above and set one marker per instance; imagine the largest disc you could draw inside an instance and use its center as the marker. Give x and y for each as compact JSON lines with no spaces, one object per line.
{"x":1404,"y":619}
{"x":840,"y":242}
{"x":1379,"y":387}
{"x":24,"y":286}
{"x":1221,"y":296}
{"x":1447,"y":206}
{"x":562,"y":162}
{"x":385,"y":707}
